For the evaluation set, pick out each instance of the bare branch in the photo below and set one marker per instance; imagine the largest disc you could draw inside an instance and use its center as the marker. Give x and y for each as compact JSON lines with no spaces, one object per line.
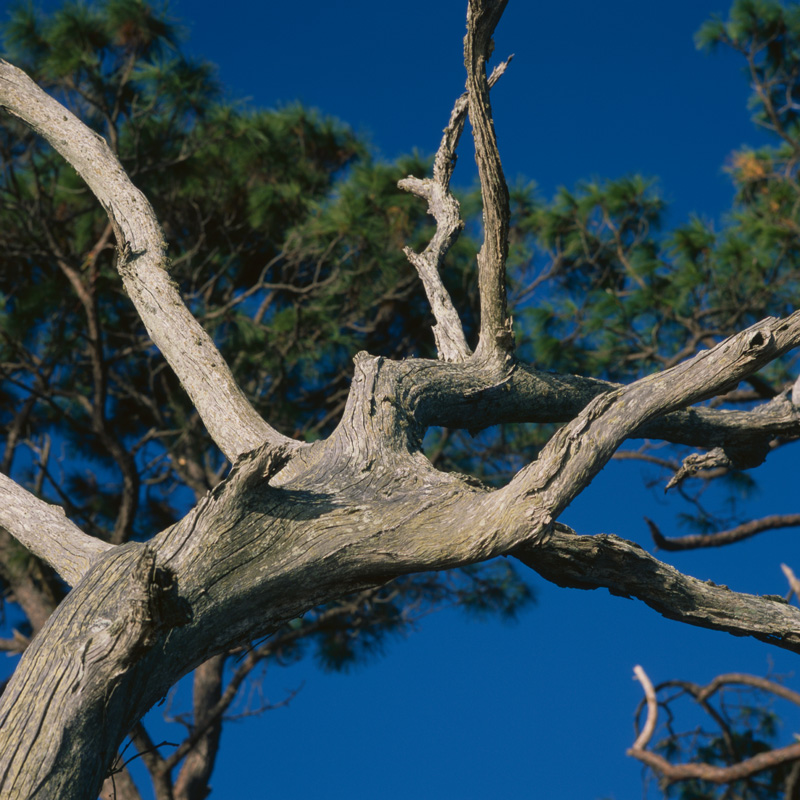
{"x":694,"y":463}
{"x":572,"y":458}
{"x":625,"y":569}
{"x":45,"y":530}
{"x":529,"y":395}
{"x":764,"y":684}
{"x":230,"y":419}
{"x":674,"y":773}
{"x":496,"y":339}
{"x":721,"y":538}
{"x":794,"y":582}
{"x":444,"y":208}
{"x":643,"y":739}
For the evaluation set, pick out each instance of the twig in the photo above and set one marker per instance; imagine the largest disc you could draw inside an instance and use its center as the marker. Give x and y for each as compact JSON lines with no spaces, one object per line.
{"x":643,"y":739}
{"x":794,"y":582}
{"x":721,"y":538}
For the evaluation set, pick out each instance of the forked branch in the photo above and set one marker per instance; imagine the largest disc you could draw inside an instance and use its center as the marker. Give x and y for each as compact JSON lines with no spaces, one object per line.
{"x":673,"y":773}
{"x":444,"y":208}
{"x":571,"y":459}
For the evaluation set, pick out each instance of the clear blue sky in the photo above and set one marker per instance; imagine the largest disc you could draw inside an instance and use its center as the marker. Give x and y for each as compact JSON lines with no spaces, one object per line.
{"x":543,"y":708}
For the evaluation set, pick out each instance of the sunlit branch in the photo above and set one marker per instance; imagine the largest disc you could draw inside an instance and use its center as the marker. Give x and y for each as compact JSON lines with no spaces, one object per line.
{"x":444,"y":208}
{"x":605,"y":561}
{"x":47,"y":532}
{"x":232,"y":422}
{"x":496,"y":337}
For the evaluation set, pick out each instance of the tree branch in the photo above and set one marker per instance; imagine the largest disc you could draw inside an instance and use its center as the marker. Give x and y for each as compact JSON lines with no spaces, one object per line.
{"x":45,"y":530}
{"x":496,"y":339}
{"x":715,"y":459}
{"x":230,"y":419}
{"x":625,"y":569}
{"x":524,"y":394}
{"x":574,"y":455}
{"x":721,"y":538}
{"x":674,"y":773}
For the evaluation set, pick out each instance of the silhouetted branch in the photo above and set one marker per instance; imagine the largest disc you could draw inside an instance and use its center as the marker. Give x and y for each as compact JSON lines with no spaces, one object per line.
{"x":721,"y":538}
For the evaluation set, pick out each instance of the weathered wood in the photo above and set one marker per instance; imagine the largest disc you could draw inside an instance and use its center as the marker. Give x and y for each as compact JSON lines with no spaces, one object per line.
{"x":294,"y":525}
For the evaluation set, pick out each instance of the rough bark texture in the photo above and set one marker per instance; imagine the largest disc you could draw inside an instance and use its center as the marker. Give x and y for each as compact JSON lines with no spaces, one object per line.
{"x":143,"y":266}
{"x":296,"y":525}
{"x":625,"y":569}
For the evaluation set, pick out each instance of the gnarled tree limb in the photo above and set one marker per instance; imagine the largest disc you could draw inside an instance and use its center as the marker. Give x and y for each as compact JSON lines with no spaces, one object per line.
{"x":232,"y":422}
{"x":605,"y":561}
{"x":443,"y":207}
{"x":574,"y":455}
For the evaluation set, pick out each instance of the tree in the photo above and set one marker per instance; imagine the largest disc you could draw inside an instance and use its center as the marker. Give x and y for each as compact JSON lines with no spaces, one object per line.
{"x":306,"y":524}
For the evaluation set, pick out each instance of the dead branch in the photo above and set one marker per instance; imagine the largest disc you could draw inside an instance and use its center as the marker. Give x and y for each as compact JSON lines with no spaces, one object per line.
{"x":674,"y":773}
{"x":496,"y":338}
{"x":625,"y":569}
{"x":45,"y":530}
{"x":721,"y":538}
{"x":230,"y":419}
{"x":444,"y":208}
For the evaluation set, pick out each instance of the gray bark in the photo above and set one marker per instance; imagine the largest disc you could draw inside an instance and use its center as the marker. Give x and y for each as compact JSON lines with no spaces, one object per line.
{"x":294,"y":525}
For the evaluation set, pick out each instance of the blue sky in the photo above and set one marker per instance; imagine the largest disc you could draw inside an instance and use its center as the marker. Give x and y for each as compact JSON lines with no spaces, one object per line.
{"x":542,"y":708}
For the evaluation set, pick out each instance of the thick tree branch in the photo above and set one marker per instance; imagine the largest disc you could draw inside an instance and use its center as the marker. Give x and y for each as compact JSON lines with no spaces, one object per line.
{"x":625,"y":569}
{"x":230,"y":419}
{"x":496,"y":339}
{"x":45,"y":530}
{"x":722,"y":538}
{"x":524,"y":394}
